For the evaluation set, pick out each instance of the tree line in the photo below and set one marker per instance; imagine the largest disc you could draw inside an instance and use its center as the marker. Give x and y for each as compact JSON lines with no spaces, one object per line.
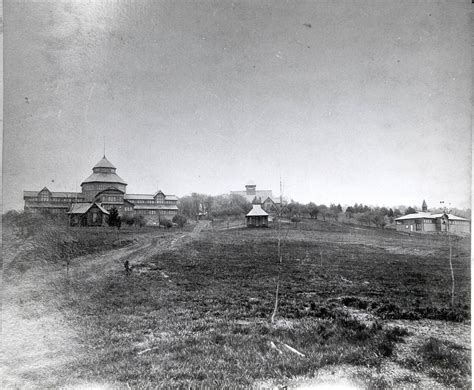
{"x":231,"y":205}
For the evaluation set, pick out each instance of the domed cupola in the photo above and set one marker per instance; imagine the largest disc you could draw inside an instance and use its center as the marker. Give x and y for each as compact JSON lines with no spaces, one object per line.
{"x":104,"y":166}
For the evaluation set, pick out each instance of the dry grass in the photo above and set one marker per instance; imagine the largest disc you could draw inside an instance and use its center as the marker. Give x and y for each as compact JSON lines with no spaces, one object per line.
{"x":197,"y":314}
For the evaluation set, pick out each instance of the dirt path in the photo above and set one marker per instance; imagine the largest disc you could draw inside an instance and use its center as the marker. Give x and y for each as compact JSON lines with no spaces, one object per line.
{"x":36,"y":338}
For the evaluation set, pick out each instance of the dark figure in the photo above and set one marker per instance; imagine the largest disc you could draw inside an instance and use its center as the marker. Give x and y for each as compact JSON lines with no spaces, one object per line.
{"x":127,"y":267}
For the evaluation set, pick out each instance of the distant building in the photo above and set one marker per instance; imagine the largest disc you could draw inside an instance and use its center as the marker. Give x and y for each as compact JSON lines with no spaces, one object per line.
{"x":257,"y":217}
{"x":426,"y":222}
{"x":263,"y":197}
{"x":105,"y":189}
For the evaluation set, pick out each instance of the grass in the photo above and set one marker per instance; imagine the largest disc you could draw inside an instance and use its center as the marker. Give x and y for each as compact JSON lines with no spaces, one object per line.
{"x":443,"y":360}
{"x":207,"y":323}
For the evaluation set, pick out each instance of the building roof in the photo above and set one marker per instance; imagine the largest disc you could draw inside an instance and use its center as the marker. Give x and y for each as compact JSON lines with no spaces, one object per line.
{"x":104,"y":178}
{"x":415,"y":216}
{"x":451,"y":217}
{"x":55,"y":194}
{"x":138,"y":196}
{"x":257,"y":211}
{"x":429,"y":216}
{"x":82,"y":208}
{"x":104,"y":163}
{"x":262,"y":194}
{"x":274,"y":199}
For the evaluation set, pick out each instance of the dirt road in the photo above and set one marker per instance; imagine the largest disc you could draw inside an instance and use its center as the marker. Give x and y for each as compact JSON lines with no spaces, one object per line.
{"x":36,"y":338}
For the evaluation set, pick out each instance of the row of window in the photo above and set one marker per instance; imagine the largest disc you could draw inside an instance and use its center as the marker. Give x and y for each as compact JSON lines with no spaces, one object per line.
{"x":48,"y":210}
{"x":152,"y":201}
{"x":156,"y":212}
{"x":53,"y":199}
{"x":433,"y":221}
{"x":109,"y":198}
{"x":104,"y":170}
{"x":142,"y":201}
{"x":100,"y":186}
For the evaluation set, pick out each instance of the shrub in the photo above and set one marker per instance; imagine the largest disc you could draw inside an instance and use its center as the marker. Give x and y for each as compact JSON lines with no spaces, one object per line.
{"x":139,"y":220}
{"x":166,"y":223}
{"x":180,"y":220}
{"x":114,"y":218}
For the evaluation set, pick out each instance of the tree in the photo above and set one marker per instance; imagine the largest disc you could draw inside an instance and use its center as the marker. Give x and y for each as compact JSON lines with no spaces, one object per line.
{"x":180,"y":220}
{"x":334,"y":211}
{"x":114,"y":218}
{"x":313,"y":210}
{"x":349,"y":212}
{"x":127,"y":219}
{"x":410,"y":210}
{"x":391,"y":215}
{"x":295,"y":220}
{"x":323,"y":211}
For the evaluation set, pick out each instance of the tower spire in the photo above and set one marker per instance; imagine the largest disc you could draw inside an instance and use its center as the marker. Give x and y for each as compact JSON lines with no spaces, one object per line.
{"x":104,"y":146}
{"x":424,"y":206}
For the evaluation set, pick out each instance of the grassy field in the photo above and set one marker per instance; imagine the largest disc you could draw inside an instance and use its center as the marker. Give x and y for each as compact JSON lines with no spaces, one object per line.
{"x":195,"y":313}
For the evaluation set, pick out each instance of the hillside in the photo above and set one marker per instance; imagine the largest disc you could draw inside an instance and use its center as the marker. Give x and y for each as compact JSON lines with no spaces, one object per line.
{"x":365,"y":307}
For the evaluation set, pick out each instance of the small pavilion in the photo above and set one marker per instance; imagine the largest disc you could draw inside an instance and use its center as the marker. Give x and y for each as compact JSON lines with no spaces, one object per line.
{"x":257,"y":217}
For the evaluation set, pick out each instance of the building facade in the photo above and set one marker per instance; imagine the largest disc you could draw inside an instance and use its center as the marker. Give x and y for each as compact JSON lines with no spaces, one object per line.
{"x":426,"y":222}
{"x":105,"y":189}
{"x":263,"y":197}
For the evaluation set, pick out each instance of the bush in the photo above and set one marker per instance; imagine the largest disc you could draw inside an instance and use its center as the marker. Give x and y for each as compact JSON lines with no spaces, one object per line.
{"x":166,"y":223}
{"x":180,"y":220}
{"x":139,"y":220}
{"x":114,"y":218}
{"x":128,"y":219}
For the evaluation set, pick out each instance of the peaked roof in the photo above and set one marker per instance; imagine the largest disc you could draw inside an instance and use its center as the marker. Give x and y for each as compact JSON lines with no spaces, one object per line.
{"x":82,"y":208}
{"x":451,"y":217}
{"x":104,"y":163}
{"x":257,"y":211}
{"x":104,"y":178}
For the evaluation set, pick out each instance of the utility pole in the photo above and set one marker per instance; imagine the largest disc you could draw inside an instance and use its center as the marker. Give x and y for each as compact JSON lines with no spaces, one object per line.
{"x":448,"y":233}
{"x":280,"y":213}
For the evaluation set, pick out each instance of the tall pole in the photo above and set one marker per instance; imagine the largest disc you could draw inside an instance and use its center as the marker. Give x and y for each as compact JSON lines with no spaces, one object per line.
{"x":446,"y":214}
{"x":279,"y":254}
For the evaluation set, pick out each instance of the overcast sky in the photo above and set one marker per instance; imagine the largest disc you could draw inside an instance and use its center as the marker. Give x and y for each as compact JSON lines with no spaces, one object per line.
{"x":349,"y":101}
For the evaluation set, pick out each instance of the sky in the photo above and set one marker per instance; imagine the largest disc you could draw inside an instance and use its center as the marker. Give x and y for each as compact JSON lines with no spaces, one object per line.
{"x":346,"y":101}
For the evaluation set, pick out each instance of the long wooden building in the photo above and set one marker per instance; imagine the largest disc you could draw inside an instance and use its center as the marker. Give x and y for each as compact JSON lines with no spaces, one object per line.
{"x":427,"y":222}
{"x":106,"y":189}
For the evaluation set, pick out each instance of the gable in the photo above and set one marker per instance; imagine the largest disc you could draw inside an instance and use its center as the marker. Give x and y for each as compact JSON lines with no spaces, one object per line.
{"x":45,"y":191}
{"x":159,"y":195}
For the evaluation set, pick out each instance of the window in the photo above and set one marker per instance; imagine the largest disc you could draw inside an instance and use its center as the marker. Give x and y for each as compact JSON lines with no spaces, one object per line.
{"x":44,"y":197}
